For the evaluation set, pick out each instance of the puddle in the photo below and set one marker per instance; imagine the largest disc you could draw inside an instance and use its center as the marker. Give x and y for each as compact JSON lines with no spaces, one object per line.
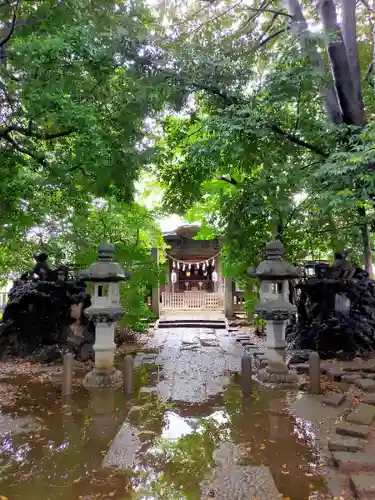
{"x":174,"y":443}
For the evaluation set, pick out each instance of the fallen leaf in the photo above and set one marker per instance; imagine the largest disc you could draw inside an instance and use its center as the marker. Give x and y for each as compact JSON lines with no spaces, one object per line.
{"x":262,"y":446}
{"x":308,"y":474}
{"x":285,"y":472}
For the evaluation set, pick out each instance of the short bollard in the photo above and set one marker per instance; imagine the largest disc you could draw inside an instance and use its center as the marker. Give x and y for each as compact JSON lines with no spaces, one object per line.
{"x":314,"y":372}
{"x":246,"y":372}
{"x":67,"y":376}
{"x":128,"y":374}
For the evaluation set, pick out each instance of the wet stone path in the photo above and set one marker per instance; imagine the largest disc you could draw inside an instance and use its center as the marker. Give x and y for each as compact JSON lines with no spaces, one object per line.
{"x":195,"y":363}
{"x":185,"y":433}
{"x":194,"y":366}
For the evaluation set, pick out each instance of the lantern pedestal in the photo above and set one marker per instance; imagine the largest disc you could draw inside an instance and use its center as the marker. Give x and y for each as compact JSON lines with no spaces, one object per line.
{"x":104,"y":374}
{"x":99,"y":380}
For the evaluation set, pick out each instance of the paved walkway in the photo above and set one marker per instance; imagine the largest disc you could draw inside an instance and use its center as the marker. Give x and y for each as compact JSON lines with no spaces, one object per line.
{"x":195,"y":364}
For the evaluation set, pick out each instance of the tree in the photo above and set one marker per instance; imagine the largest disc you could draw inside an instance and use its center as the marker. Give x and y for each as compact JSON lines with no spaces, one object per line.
{"x":261,"y":116}
{"x":73,"y":104}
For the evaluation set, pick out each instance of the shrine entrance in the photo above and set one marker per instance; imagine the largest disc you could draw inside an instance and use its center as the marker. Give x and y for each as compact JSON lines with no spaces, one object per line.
{"x":194,"y":280}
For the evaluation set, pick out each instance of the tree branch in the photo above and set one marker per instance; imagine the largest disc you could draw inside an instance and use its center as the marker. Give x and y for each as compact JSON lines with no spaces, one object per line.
{"x":26,"y":131}
{"x":272,"y":11}
{"x":21,"y":149}
{"x":262,"y":6}
{"x":271,"y":37}
{"x":230,"y":180}
{"x":12,"y":26}
{"x":229,"y":99}
{"x":299,"y":142}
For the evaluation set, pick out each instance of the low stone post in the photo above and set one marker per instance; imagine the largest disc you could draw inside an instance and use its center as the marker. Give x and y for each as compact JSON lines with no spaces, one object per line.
{"x":128,"y":374}
{"x":155,"y":298}
{"x":314,"y":372}
{"x":67,"y":375}
{"x":246,"y":373}
{"x":228,"y":298}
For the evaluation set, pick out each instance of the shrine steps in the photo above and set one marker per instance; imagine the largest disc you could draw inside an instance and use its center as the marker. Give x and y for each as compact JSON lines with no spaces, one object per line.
{"x":192,"y":323}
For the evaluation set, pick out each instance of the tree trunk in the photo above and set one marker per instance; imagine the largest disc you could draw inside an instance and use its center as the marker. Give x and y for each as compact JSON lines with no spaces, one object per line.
{"x":301,"y":31}
{"x":367,"y":247}
{"x":352,"y":108}
{"x":349,"y":33}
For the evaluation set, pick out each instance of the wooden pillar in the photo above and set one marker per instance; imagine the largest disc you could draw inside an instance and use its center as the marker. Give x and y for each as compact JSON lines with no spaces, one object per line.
{"x":155,"y":298}
{"x":228,"y":298}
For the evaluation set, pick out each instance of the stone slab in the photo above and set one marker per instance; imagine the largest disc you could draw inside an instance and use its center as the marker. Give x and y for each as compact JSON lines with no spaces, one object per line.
{"x":369,"y":368}
{"x":301,"y":368}
{"x":368,"y":375}
{"x":148,"y":390}
{"x":339,"y":443}
{"x":335,"y":374}
{"x":362,"y":414}
{"x":354,"y":462}
{"x":260,"y":354}
{"x":350,"y":378}
{"x":209,"y":343}
{"x":353,"y":430}
{"x":242,"y":336}
{"x":236,"y":482}
{"x":366,"y":384}
{"x":368,"y":399}
{"x":334,"y":399}
{"x":246,"y":342}
{"x":122,"y":451}
{"x":363,"y":485}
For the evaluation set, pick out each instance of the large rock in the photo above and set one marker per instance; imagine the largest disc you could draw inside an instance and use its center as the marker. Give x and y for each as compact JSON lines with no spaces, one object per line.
{"x":335,"y":334}
{"x":37,"y":320}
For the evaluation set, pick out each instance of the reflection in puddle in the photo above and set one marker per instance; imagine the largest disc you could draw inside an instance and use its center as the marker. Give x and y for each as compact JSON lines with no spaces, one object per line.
{"x":177,"y":443}
{"x":175,"y":426}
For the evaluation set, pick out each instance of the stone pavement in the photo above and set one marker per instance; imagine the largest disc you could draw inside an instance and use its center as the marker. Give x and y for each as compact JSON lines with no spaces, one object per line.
{"x":346,"y":426}
{"x":194,"y":365}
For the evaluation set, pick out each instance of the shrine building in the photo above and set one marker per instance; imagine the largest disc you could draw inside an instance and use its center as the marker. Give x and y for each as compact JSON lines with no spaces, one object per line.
{"x":194,"y":278}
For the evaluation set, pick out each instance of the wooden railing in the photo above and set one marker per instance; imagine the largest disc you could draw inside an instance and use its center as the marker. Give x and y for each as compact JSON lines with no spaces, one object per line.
{"x":192,"y":300}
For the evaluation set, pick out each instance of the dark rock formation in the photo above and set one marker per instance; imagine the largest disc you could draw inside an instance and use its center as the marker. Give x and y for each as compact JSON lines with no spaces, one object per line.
{"x":37,"y":320}
{"x":321,"y":325}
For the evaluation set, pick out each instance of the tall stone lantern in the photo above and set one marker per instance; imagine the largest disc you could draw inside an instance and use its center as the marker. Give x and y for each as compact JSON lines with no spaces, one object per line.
{"x":274,"y":307}
{"x":104,"y":311}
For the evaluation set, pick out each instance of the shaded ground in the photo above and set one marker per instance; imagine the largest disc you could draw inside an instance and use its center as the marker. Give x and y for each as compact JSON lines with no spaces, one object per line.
{"x":187,"y":419}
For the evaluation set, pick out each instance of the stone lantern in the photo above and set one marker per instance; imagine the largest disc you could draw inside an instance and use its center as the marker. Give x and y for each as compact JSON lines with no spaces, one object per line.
{"x":274,"y":307}
{"x":104,"y":311}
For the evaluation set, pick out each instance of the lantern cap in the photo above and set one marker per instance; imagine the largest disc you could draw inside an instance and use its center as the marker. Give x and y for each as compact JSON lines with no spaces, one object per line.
{"x":105,"y":269}
{"x":273,"y":267}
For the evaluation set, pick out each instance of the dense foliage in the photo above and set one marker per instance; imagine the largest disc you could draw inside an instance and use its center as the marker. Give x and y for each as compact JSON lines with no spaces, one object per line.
{"x":73,"y":110}
{"x":271,"y":144}
{"x":256,"y":118}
